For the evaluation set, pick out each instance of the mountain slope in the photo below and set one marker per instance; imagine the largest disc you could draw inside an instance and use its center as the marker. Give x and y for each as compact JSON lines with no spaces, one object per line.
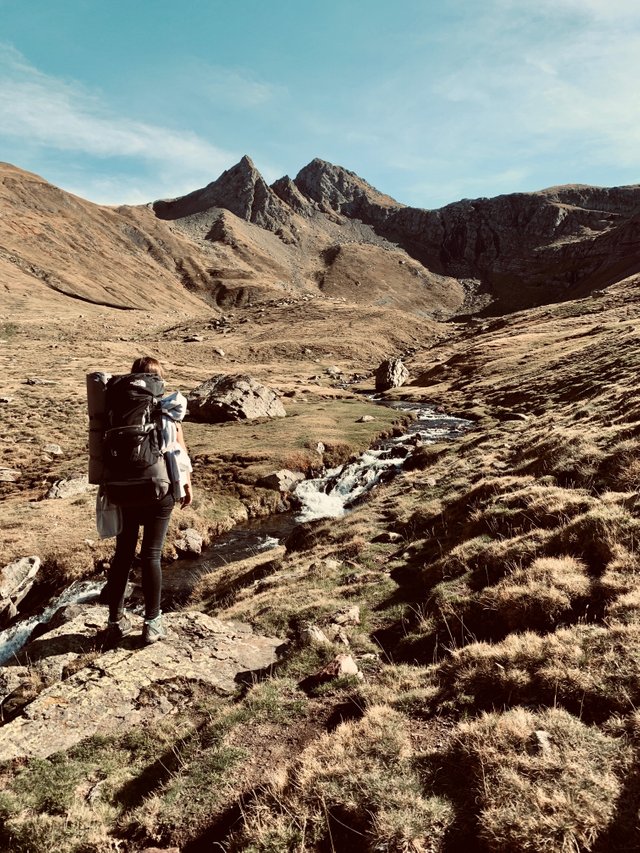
{"x":52,"y":242}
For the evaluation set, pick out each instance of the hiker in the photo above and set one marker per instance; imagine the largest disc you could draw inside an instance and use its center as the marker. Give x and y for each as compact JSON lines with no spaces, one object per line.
{"x":145,"y":501}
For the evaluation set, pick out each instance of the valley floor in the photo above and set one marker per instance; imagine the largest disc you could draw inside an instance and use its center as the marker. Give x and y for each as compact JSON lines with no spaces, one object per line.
{"x":487,"y":597}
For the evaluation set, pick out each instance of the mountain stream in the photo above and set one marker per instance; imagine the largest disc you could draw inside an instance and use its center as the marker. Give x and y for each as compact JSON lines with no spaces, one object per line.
{"x":328,"y":496}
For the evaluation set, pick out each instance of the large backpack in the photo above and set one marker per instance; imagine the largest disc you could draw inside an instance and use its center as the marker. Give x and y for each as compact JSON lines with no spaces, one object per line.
{"x":134,"y":466}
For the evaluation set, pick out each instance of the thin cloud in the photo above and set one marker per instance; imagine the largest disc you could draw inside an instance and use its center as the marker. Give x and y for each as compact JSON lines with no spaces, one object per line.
{"x":55,"y":114}
{"x":234,"y":87}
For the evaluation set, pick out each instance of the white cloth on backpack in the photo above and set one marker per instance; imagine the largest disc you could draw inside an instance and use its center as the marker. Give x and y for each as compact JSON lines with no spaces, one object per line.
{"x":174,"y":408}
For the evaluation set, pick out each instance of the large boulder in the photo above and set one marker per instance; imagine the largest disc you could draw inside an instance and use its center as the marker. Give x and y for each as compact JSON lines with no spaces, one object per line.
{"x":391,"y":374}
{"x":281,"y":481}
{"x":233,"y":397}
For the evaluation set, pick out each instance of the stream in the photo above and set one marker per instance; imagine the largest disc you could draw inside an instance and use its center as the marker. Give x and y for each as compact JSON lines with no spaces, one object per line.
{"x":328,"y":496}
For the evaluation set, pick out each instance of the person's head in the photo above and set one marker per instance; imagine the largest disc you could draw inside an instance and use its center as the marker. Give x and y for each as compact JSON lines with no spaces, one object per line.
{"x":147,"y":364}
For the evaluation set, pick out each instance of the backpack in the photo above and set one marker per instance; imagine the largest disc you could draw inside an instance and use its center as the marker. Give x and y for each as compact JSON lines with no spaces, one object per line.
{"x":132,"y":439}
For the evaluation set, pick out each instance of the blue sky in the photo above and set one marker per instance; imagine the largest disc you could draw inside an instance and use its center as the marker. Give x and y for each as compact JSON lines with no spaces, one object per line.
{"x":126,"y":101}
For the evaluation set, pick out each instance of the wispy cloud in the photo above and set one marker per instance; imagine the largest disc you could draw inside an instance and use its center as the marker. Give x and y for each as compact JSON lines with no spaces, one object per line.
{"x":235,"y":87}
{"x":529,"y":91}
{"x":55,"y":114}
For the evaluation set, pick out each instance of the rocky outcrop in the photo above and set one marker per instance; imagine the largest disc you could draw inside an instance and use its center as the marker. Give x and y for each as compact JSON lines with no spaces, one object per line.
{"x":16,"y":580}
{"x":233,"y":398}
{"x":128,"y":685}
{"x":391,"y":374}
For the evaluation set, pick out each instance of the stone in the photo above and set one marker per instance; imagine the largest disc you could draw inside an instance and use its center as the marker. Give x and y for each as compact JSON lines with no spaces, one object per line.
{"x":281,"y":481}
{"x":219,"y":351}
{"x":6,"y":399}
{"x":236,"y":397}
{"x":333,"y":371}
{"x":336,"y":634}
{"x":316,"y":635}
{"x":131,"y":685}
{"x":365,"y":419}
{"x":387,"y":536}
{"x":541,"y":740}
{"x":320,"y":448}
{"x":193,"y":339}
{"x":9,"y":475}
{"x":509,"y":415}
{"x":38,"y":381}
{"x":341,"y":665}
{"x":190,"y":543}
{"x":348,"y":617}
{"x":71,"y":488}
{"x":16,"y":578}
{"x":391,"y":374}
{"x":53,"y":449}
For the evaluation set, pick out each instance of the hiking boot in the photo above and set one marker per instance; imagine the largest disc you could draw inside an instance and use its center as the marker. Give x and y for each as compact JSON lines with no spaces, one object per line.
{"x":116,"y":631}
{"x":153,"y":630}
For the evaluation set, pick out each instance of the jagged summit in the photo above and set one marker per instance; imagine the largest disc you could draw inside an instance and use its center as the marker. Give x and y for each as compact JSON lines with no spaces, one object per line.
{"x":243,"y":191}
{"x":338,"y":187}
{"x":240,"y":189}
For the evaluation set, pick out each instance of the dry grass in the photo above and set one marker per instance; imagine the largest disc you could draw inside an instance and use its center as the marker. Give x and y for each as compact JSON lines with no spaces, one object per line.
{"x":540,"y":596}
{"x":543,"y":782}
{"x":355,"y":788}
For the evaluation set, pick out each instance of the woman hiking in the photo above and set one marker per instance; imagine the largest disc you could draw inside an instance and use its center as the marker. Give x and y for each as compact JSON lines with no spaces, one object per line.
{"x":146,"y":491}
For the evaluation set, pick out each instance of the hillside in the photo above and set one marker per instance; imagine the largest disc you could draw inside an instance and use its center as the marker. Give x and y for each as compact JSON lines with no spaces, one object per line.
{"x":488,"y":594}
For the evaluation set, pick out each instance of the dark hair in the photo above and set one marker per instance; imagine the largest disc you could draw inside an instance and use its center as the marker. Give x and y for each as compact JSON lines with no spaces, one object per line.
{"x":147,"y":364}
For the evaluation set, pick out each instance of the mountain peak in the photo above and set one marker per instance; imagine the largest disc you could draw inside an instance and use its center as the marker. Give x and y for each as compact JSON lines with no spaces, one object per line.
{"x":338,"y":188}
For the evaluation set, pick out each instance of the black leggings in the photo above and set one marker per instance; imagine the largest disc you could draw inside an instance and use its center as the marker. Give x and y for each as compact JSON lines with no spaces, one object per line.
{"x":154,"y":519}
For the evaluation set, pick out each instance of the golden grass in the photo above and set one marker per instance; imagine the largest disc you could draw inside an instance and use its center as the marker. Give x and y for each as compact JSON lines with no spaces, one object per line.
{"x":544,"y":782}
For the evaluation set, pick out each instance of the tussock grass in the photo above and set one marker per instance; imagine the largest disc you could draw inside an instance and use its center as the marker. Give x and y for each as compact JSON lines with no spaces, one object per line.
{"x":543,"y":781}
{"x":590,"y":670}
{"x":355,"y":788}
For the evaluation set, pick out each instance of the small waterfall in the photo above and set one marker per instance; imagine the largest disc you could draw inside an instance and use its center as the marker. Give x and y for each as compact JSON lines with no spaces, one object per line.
{"x":12,"y":639}
{"x":330,"y":495}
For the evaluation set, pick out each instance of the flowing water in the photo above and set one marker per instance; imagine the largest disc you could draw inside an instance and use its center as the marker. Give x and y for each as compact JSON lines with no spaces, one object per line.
{"x":329,"y":496}
{"x":12,"y":639}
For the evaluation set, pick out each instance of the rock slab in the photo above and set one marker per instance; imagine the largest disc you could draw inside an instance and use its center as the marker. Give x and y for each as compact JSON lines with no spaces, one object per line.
{"x":281,"y":481}
{"x":233,"y":397}
{"x":133,"y":684}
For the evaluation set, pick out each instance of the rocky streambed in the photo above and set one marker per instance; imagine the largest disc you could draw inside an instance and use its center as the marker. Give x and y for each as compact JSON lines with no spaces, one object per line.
{"x":327,"y":496}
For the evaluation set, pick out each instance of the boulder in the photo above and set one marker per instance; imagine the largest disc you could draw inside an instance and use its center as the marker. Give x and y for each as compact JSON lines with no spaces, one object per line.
{"x":9,"y":475}
{"x":365,"y":419}
{"x":391,"y":374}
{"x":281,"y":481}
{"x":190,"y":543}
{"x":70,"y":488}
{"x":17,"y":577}
{"x":229,"y":397}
